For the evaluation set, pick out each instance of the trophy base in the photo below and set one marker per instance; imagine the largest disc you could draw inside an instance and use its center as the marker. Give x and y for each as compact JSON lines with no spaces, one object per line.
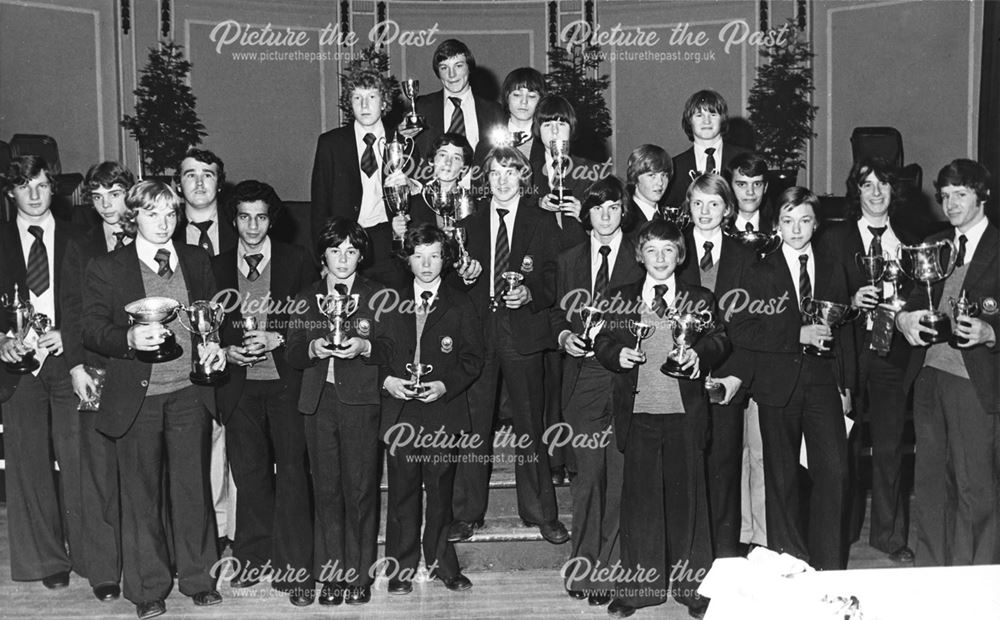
{"x":199,"y":377}
{"x":412,"y":126}
{"x":716,"y":392}
{"x":167,"y":352}
{"x":940,"y":323}
{"x":27,"y":364}
{"x":817,"y":352}
{"x":334,"y":347}
{"x":419,"y":389}
{"x":672,"y":368}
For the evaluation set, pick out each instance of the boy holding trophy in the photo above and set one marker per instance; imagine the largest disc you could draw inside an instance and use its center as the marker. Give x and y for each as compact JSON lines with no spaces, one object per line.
{"x":661,"y":423}
{"x":151,"y":409}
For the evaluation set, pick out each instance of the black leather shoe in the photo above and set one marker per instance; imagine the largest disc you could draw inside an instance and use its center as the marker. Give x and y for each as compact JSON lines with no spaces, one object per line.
{"x":903,"y":555}
{"x":599,"y":599}
{"x":554,"y":532}
{"x":576,"y":594}
{"x":331,"y":594}
{"x":398,"y":586}
{"x":618,"y":609}
{"x":206,"y":598}
{"x":303,"y":598}
{"x":150,"y":609}
{"x":459,"y":531}
{"x":59,"y":580}
{"x":239,"y":583}
{"x":357,"y":595}
{"x":107,"y":592}
{"x":457,"y":583}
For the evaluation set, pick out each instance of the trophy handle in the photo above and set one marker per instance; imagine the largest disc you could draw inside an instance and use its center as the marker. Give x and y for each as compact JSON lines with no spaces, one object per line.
{"x":705,"y":318}
{"x":952,"y":256}
{"x":352,"y":305}
{"x":180,"y":319}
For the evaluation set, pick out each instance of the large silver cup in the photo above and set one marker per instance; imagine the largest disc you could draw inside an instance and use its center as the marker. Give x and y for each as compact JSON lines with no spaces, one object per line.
{"x":417,"y":373}
{"x":687,"y":328}
{"x":511,"y":280}
{"x":337,"y":308}
{"x":441,"y":201}
{"x":761,"y":243}
{"x":413,"y":123}
{"x":460,"y":236}
{"x":829,"y":313}
{"x":464,"y":204}
{"x":204,"y":319}
{"x":928,"y":263}
{"x":22,"y":317}
{"x":156,"y":311}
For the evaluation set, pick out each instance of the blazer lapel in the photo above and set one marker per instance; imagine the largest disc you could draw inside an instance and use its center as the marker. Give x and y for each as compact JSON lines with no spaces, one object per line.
{"x":524,"y":229}
{"x":986,"y":254}
{"x":581,"y":270}
{"x":441,"y":305}
{"x":625,"y":262}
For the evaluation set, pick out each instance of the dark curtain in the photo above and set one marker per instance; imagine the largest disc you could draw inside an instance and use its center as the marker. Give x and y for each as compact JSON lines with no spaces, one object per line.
{"x":989,"y":103}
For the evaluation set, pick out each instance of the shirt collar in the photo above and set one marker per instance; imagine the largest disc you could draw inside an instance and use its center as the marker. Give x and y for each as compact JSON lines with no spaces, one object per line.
{"x":648,"y":287}
{"x":700,"y":238}
{"x":792,"y":256}
{"x":349,"y":282}
{"x":48,"y":224}
{"x":147,"y":251}
{"x":419,"y":287}
{"x":242,"y":251}
{"x":741,"y":221}
{"x":716,"y":144}
{"x":972,"y":238}
{"x":213,"y":217}
{"x":378,"y":130}
{"x":615,"y":243}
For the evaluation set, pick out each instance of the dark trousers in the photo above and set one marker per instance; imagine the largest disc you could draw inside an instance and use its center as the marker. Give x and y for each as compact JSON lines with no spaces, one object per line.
{"x":343,"y":457}
{"x":43,"y":409}
{"x":725,"y":475}
{"x":664,"y":511}
{"x":813,"y":411}
{"x":597,"y":487}
{"x":956,"y":478}
{"x":273,"y":511}
{"x":172,"y":432}
{"x":884,"y":402}
{"x":101,"y":516}
{"x":560,"y":456}
{"x":411,"y":471}
{"x":383,"y":266}
{"x":536,"y":498}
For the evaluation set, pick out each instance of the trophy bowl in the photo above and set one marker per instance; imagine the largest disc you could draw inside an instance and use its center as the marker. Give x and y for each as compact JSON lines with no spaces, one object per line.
{"x":337,"y":308}
{"x":760,"y":242}
{"x":413,"y":123}
{"x":641,"y":331}
{"x":872,"y":266}
{"x":829,"y":313}
{"x":893,"y":274}
{"x":417,"y":373}
{"x":204,"y":318}
{"x":686,"y":327}
{"x":591,"y":317}
{"x":156,"y":311}
{"x":464,"y":204}
{"x":22,"y":315}
{"x":398,"y":153}
{"x":677,"y":215}
{"x":930,"y":263}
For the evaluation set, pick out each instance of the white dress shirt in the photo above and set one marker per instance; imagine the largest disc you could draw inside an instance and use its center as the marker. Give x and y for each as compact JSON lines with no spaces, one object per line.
{"x":740,"y":224}
{"x":700,"y":158}
{"x":794,"y":266}
{"x":468,"y":114}
{"x":372,"y":211}
{"x":648,"y":209}
{"x":46,"y":302}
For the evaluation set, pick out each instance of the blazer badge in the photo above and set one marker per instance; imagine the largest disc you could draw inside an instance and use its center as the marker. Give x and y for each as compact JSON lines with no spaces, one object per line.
{"x":989,"y":305}
{"x":364,"y":328}
{"x":527,"y":264}
{"x":447,"y":344}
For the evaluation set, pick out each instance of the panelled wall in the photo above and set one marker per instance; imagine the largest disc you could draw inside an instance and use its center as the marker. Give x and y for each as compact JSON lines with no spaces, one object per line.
{"x":67,"y":68}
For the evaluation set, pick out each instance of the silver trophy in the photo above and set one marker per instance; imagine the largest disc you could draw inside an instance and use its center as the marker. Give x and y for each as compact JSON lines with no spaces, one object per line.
{"x":872,"y":266}
{"x":441,"y":201}
{"x":460,"y":236}
{"x":677,"y":215}
{"x":927,"y":263}
{"x":592,"y":318}
{"x":686,"y":328}
{"x":417,"y":373}
{"x":413,"y":123}
{"x":561,"y":162}
{"x":398,"y":153}
{"x":760,"y":242}
{"x":829,"y":313}
{"x":512,"y":280}
{"x":397,"y":198}
{"x":156,"y":311}
{"x":641,"y":331}
{"x":961,"y":308}
{"x":22,"y":315}
{"x":249,"y":324}
{"x":204,"y":319}
{"x":893,"y":274}
{"x":464,"y":204}
{"x":337,"y":308}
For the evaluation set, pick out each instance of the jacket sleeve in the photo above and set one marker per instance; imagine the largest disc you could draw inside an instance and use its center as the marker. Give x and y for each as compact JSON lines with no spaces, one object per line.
{"x":297,"y":339}
{"x":322,"y":186}
{"x":98,"y":329}
{"x":73,"y":271}
{"x":470,"y":353}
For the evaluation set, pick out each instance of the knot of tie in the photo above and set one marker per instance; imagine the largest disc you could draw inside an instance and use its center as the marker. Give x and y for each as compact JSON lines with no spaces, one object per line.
{"x":203,"y":239}
{"x":749,"y":227}
{"x":520,"y":137}
{"x":120,"y":238}
{"x":605,"y":250}
{"x":162,"y":258}
{"x":659,"y":303}
{"x":425,"y":300}
{"x":36,"y":232}
{"x":340,"y":289}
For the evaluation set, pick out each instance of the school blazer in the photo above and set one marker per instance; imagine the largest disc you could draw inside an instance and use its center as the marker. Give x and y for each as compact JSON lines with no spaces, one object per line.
{"x":684,"y":165}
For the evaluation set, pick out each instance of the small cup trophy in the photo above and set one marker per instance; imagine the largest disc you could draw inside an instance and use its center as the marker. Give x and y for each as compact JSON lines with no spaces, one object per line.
{"x":760,"y":242}
{"x":397,"y":198}
{"x":716,"y":391}
{"x":413,"y":123}
{"x":441,"y":201}
{"x":677,"y":215}
{"x":559,"y":149}
{"x":249,"y":324}
{"x":398,"y":153}
{"x":204,"y":318}
{"x":893,"y":274}
{"x":512,"y":280}
{"x":641,"y":331}
{"x":156,"y":311}
{"x":687,"y":328}
{"x":829,"y":313}
{"x":592,"y":318}
{"x":928,"y":263}
{"x":337,"y":308}
{"x":23,"y":315}
{"x":872,"y":266}
{"x":417,"y":373}
{"x":961,"y":308}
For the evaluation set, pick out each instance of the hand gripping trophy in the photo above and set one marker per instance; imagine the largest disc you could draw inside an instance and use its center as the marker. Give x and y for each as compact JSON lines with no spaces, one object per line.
{"x":928,"y":263}
{"x":204,"y":319}
{"x":687,"y":327}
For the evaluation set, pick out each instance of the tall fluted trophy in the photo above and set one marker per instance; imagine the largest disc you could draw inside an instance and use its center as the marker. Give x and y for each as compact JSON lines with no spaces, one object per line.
{"x":204,"y":319}
{"x":23,"y":319}
{"x":398,"y":154}
{"x":337,"y":307}
{"x":561,"y":162}
{"x":156,"y":311}
{"x":464,"y":206}
{"x":893,"y":275}
{"x":961,"y":308}
{"x":396,"y":188}
{"x":413,"y":123}
{"x":928,"y":263}
{"x":687,"y":327}
{"x":829,"y":313}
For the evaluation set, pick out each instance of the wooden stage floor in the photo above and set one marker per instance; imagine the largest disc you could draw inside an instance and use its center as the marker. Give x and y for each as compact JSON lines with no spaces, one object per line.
{"x":520,"y":594}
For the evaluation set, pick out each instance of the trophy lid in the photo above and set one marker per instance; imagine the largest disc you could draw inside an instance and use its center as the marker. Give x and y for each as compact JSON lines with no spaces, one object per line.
{"x":153,"y":309}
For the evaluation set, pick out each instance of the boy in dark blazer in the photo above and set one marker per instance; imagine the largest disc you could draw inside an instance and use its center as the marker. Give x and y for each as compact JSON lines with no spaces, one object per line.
{"x":649,"y":172}
{"x":956,"y":398}
{"x":106,"y":184}
{"x":661,"y":426}
{"x":705,"y":121}
{"x":152,"y":411}
{"x":746,"y":173}
{"x":801,"y":395}
{"x":39,"y":406}
{"x":443,"y":330}
{"x":340,"y":397}
{"x":584,"y":276}
{"x":259,"y":279}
